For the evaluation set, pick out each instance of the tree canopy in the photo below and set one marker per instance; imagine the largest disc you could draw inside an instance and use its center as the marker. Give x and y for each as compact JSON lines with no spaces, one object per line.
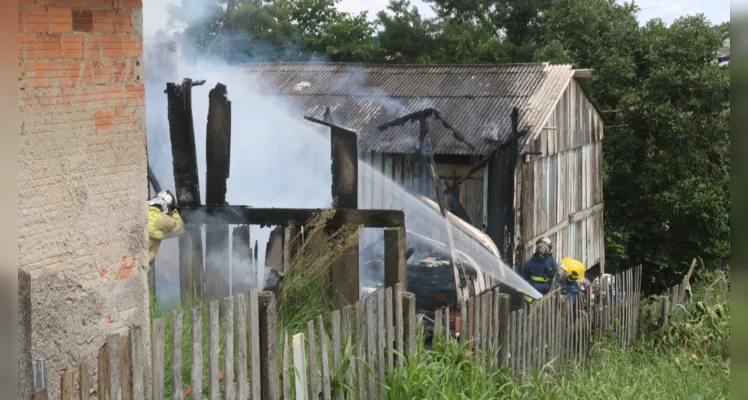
{"x":666,"y":158}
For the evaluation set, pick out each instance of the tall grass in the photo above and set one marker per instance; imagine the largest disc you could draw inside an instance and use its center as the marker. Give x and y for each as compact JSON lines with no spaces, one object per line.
{"x":688,"y":360}
{"x":301,"y":297}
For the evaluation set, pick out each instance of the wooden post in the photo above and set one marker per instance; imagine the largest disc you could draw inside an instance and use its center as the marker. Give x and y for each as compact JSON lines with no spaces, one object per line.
{"x":255,"y":379}
{"x":241,"y":258}
{"x":217,"y":152}
{"x":186,"y":182}
{"x":344,"y":152}
{"x":268,"y":347}
{"x":84,"y":389}
{"x":394,"y":257}
{"x":66,"y":385}
{"x":196,"y":339}
{"x":213,"y":349}
{"x":664,"y":312}
{"x":409,"y":322}
{"x":157,"y":359}
{"x":115,"y":367}
{"x":503,"y":335}
{"x":299,"y":364}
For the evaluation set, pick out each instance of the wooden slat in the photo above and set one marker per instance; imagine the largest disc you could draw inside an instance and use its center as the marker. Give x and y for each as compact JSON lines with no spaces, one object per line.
{"x":380,"y":342}
{"x":336,"y":351}
{"x":485,"y":320}
{"x":115,"y":366}
{"x":390,"y":336}
{"x":324,"y":360}
{"x":40,"y":394}
{"x":299,"y":363}
{"x":176,"y":354}
{"x":253,"y":317}
{"x":464,"y":322}
{"x":157,"y":359}
{"x":446,"y":324}
{"x":286,"y":369}
{"x":501,"y":314}
{"x":268,"y":346}
{"x":360,"y":350}
{"x":348,"y":338}
{"x":84,"y":388}
{"x":313,"y":378}
{"x":66,"y":385}
{"x":410,"y":323}
{"x":521,"y":342}
{"x":126,"y":361}
{"x":213,"y":363}
{"x":399,"y":327}
{"x":437,"y":325}
{"x":229,"y":390}
{"x":240,"y":303}
{"x":370,"y":347}
{"x":196,"y":346}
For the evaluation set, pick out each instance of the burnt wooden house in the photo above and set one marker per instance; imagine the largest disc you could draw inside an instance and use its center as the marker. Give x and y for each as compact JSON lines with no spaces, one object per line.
{"x":518,"y":178}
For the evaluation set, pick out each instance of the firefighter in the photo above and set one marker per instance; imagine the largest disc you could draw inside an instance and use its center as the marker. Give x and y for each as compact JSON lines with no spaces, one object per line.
{"x":571,"y":278}
{"x":163,"y":222}
{"x":541,"y":269}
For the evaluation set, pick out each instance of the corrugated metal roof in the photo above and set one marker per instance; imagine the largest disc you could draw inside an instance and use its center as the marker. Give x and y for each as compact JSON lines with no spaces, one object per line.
{"x":476,"y":99}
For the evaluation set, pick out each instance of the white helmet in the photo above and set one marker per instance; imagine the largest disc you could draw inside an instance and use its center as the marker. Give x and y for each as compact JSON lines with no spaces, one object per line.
{"x":543,"y":245}
{"x":165,"y":201}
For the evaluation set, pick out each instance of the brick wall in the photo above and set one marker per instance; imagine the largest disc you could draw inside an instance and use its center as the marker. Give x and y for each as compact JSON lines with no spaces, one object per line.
{"x":82,"y":182}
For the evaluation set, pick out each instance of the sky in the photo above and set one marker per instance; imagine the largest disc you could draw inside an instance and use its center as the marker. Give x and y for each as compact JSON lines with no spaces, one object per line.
{"x":155,"y":12}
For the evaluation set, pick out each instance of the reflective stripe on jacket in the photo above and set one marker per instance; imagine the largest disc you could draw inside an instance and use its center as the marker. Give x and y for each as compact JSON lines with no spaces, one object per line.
{"x":162,"y":226}
{"x":539,"y":271}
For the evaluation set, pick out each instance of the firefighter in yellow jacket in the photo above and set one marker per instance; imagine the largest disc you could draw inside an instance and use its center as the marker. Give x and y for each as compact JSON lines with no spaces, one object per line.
{"x":163,"y":222}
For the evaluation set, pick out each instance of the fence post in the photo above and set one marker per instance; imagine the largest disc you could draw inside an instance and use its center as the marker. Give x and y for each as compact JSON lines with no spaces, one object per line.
{"x":503,"y":342}
{"x":410,"y":322}
{"x":394,"y":256}
{"x":268,"y":347}
{"x":137,"y":370}
{"x":664,"y":312}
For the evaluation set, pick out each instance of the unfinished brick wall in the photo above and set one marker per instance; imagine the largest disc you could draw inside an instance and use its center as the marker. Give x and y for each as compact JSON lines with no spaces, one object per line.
{"x":82,"y":180}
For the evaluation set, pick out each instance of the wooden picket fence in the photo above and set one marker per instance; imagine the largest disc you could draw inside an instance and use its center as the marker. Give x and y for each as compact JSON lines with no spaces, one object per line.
{"x":366,"y":341}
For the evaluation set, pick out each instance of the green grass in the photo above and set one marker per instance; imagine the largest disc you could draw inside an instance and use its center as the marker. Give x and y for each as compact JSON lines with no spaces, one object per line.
{"x":688,"y":360}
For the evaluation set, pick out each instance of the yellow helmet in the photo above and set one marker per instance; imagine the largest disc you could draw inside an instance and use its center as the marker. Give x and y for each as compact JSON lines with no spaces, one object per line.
{"x":574,"y":270}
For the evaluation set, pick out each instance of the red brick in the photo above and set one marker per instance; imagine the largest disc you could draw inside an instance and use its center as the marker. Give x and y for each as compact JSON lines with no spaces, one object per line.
{"x":72,"y":46}
{"x":112,"y":46}
{"x":50,"y":47}
{"x":71,"y":3}
{"x":103,"y":119}
{"x":132,"y":46}
{"x":46,"y":2}
{"x":92,"y":46}
{"x":60,"y":20}
{"x":20,"y":20}
{"x":103,"y":21}
{"x":35,"y":19}
{"x":82,"y":20}
{"x":94,"y":4}
{"x":133,"y":4}
{"x":26,"y":2}
{"x":28,"y":47}
{"x":121,"y":22}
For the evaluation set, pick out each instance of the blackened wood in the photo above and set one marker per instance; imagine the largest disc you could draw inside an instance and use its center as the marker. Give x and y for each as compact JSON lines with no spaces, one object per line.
{"x":394,"y":257}
{"x":241,"y":257}
{"x":186,"y":182}
{"x":344,"y":154}
{"x":217,"y":152}
{"x":270,"y":375}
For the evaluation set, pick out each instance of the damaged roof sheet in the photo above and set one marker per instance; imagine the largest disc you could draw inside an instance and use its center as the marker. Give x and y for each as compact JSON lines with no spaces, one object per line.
{"x":476,"y":99}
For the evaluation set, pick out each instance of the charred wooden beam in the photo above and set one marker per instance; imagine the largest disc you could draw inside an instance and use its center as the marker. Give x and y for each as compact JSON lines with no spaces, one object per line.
{"x":344,"y":154}
{"x":501,"y":171}
{"x":345,"y":280}
{"x":241,"y":257}
{"x":245,"y":215}
{"x":186,"y":182}
{"x":218,"y":151}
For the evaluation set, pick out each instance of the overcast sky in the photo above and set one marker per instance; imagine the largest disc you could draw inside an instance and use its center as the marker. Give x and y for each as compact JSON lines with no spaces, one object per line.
{"x":155,"y":14}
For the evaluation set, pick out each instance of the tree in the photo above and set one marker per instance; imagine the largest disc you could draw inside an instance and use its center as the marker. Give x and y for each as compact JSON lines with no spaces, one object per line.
{"x":668,"y":166}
